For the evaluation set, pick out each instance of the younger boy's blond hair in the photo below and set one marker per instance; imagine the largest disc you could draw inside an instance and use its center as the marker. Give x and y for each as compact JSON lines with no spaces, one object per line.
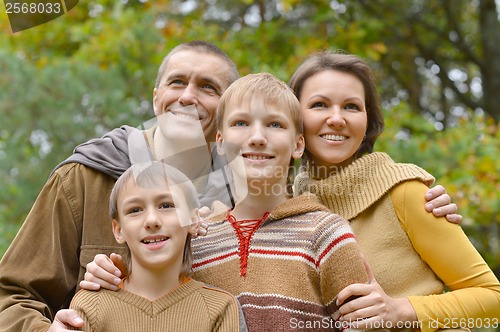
{"x":270,"y":90}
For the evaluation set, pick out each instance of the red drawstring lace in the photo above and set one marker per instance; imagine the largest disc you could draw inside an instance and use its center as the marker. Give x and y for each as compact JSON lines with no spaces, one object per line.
{"x":245,"y":230}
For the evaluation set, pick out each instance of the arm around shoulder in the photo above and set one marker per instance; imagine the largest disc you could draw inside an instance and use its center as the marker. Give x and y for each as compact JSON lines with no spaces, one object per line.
{"x":447,"y":250}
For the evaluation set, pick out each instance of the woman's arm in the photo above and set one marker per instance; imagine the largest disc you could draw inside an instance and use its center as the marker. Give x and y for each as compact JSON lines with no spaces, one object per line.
{"x":446,"y":248}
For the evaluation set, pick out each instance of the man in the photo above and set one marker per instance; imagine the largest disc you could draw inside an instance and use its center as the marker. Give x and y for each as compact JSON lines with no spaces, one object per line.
{"x":68,"y":223}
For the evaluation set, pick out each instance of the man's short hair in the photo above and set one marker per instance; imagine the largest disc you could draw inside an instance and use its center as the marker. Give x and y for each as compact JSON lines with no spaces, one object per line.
{"x":200,"y":46}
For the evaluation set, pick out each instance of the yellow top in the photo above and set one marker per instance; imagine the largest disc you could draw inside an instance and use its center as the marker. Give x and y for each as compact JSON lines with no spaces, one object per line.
{"x":447,"y":250}
{"x":412,"y":253}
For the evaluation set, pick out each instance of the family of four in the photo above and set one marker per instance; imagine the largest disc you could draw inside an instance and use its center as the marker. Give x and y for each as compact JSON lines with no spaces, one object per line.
{"x":348,"y":244}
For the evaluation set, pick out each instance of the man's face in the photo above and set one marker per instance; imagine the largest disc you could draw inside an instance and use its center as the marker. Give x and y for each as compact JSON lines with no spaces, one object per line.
{"x":192,"y":78}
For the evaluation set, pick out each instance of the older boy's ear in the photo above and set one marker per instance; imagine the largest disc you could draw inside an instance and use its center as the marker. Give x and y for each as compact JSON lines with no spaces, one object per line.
{"x":300,"y":145}
{"x":220,"y":144}
{"x":117,"y":231}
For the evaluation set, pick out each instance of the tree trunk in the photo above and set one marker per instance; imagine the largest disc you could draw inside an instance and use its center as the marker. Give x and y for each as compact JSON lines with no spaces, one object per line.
{"x":490,"y":69}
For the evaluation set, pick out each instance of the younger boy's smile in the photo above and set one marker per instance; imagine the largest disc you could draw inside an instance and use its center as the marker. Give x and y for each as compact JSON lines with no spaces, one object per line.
{"x":155,"y":242}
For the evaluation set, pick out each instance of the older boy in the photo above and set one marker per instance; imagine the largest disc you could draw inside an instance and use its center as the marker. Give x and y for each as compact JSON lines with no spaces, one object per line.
{"x":285,"y":258}
{"x":152,"y":205}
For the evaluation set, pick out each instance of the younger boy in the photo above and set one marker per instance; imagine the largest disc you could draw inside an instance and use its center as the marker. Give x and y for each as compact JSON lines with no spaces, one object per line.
{"x":285,"y":258}
{"x":152,"y":205}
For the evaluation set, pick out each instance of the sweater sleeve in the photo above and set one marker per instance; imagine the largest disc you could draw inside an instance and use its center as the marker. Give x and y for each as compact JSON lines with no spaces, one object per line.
{"x":231,"y":317}
{"x":39,"y":270}
{"x":339,"y":260}
{"x":474,"y":299}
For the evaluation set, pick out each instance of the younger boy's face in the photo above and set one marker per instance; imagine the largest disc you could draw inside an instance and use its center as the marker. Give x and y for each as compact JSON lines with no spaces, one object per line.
{"x":149,"y":224}
{"x":264,"y":136}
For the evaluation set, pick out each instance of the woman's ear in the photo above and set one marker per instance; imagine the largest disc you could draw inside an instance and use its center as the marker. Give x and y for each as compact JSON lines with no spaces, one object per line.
{"x":300,"y":145}
{"x":220,"y":143}
{"x":117,"y":232}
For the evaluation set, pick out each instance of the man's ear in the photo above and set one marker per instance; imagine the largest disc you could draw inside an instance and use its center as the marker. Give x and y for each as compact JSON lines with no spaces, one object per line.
{"x":155,"y":100}
{"x":117,"y":232}
{"x":220,"y":143}
{"x":300,"y":145}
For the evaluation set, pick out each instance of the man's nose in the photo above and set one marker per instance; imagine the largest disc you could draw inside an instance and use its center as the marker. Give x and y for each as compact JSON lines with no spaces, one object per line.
{"x":189,"y":96}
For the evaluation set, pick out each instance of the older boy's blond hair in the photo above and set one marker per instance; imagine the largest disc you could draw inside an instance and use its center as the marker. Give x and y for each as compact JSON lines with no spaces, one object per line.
{"x":262,"y":87}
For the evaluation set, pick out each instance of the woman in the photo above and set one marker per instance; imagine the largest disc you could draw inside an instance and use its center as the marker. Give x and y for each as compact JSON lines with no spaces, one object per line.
{"x":412,"y":254}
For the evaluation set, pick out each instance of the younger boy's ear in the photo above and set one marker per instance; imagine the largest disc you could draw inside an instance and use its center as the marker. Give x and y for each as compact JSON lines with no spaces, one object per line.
{"x":300,"y":145}
{"x":220,"y":143}
{"x":117,"y":232}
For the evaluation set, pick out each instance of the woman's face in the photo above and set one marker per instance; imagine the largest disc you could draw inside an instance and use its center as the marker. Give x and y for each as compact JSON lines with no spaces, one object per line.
{"x":335,"y":118}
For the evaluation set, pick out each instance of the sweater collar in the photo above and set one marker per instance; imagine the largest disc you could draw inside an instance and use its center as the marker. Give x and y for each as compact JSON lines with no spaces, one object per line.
{"x":294,"y":206}
{"x":356,"y":187}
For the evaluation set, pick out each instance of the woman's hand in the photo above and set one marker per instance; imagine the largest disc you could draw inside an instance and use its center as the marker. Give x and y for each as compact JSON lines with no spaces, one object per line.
{"x":439,"y":203}
{"x":373,"y":308}
{"x":104,"y":272}
{"x":64,"y":319}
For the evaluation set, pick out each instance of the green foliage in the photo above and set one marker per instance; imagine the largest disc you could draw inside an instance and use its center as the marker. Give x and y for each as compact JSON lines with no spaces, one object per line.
{"x":48,"y":119}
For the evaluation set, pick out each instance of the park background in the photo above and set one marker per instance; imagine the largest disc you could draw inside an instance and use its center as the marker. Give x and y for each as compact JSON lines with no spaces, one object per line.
{"x":93,"y":69}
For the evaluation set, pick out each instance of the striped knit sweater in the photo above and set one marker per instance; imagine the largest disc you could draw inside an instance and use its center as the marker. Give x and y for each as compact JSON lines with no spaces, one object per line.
{"x":192,"y":306}
{"x":298,"y":260}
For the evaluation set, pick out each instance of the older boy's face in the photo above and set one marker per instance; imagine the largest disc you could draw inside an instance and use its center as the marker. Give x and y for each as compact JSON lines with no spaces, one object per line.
{"x":264,"y":136}
{"x":192,"y":79}
{"x":149,"y":224}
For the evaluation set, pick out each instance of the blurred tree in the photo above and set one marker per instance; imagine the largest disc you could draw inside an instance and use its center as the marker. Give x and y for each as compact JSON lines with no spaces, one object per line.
{"x":444,"y":54}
